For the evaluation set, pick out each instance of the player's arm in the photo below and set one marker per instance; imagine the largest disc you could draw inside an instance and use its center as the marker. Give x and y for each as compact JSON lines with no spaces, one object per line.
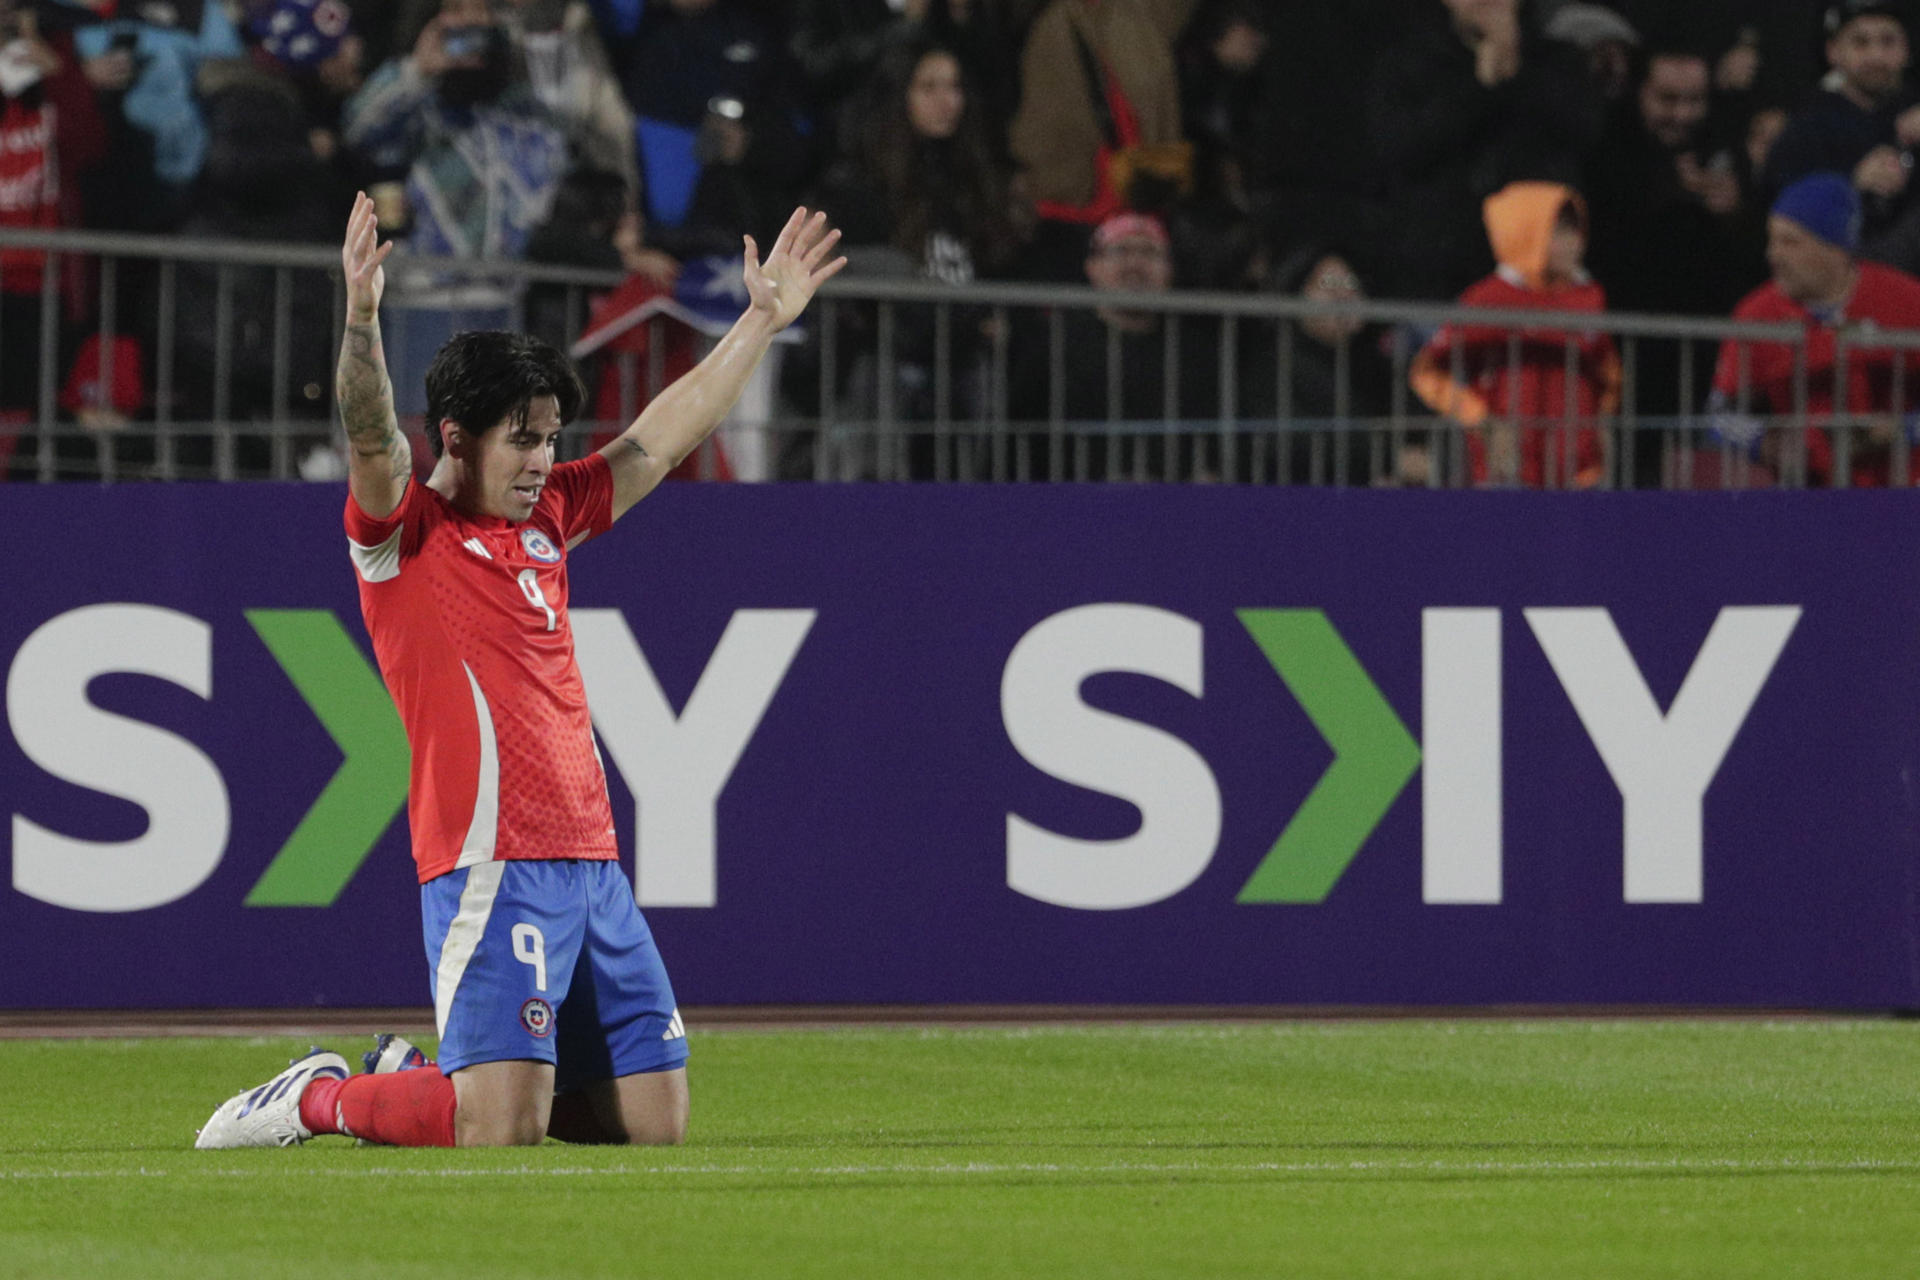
{"x":378,"y":459}
{"x":683,"y":415}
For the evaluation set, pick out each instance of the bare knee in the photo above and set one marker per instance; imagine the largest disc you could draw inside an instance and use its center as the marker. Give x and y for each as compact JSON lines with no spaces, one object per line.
{"x":649,"y":1110}
{"x":502,"y":1104}
{"x":478,"y":1128}
{"x":668,"y":1130}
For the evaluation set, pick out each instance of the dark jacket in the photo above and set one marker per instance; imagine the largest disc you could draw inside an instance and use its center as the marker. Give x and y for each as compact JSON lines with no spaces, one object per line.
{"x":1832,"y":133}
{"x":1654,"y":245}
{"x":681,"y":64}
{"x":1448,"y":142}
{"x":1127,"y":436}
{"x":1139,"y":371}
{"x":1313,"y":98}
{"x":1659,"y":250}
{"x":837,"y":43}
{"x":260,"y":182}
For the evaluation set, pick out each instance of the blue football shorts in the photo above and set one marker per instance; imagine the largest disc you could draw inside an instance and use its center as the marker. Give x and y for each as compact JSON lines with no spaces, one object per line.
{"x":549,"y":961}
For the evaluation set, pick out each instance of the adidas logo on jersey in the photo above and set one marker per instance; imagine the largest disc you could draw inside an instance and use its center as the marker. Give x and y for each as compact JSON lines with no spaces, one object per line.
{"x":478,"y":548}
{"x":676,"y":1029}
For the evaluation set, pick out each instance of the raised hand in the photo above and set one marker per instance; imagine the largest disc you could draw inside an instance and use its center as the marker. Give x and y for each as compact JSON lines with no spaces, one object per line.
{"x":378,"y":456}
{"x":1497,"y":54}
{"x":781,"y":287}
{"x":430,"y":50}
{"x":360,"y":258}
{"x":1906,"y":127}
{"x":1881,"y":172}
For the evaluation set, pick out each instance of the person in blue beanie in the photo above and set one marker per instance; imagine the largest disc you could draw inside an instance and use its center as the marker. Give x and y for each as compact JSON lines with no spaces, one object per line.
{"x":1819,"y":282}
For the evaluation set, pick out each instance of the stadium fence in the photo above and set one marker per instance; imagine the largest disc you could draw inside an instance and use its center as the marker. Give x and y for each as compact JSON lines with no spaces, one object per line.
{"x":891,"y":379}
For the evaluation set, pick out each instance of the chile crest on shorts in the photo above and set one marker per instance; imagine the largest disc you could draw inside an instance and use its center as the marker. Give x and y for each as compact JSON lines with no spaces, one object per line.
{"x":536,"y":1015}
{"x":539,"y":546}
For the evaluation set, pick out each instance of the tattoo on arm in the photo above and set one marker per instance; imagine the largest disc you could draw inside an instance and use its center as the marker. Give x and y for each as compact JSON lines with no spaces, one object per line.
{"x":635,"y":445}
{"x":366,"y":398}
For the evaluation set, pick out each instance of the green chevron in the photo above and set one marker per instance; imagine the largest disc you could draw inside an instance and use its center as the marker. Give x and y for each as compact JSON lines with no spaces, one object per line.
{"x":359,"y":804}
{"x":1373,"y":756}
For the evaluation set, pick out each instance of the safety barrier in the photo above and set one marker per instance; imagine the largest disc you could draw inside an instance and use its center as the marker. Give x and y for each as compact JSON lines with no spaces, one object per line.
{"x":905,"y":379}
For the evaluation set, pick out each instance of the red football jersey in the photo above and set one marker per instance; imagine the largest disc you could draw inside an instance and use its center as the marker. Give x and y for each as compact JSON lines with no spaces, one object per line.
{"x":468,"y":616}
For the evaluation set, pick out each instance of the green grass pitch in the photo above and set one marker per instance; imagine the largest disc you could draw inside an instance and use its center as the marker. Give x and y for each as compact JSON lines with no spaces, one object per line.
{"x":1407,"y":1148}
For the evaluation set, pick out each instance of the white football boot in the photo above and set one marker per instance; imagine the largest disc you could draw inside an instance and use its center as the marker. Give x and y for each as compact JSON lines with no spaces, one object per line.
{"x":269,"y":1116}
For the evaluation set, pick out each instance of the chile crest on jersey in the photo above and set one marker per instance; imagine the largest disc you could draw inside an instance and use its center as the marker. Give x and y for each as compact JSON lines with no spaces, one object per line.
{"x":539,"y":546}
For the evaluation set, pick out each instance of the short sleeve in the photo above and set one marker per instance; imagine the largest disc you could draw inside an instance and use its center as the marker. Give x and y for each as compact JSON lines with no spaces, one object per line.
{"x":583,"y":498}
{"x":378,"y":546}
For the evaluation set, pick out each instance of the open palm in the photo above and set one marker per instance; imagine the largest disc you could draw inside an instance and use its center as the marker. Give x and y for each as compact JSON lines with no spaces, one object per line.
{"x":360,"y":259}
{"x":782,"y":286}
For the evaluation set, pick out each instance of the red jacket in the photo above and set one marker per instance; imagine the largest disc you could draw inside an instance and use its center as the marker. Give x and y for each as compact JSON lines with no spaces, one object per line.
{"x":48,"y":135}
{"x":1883,"y":298}
{"x":1533,"y":391}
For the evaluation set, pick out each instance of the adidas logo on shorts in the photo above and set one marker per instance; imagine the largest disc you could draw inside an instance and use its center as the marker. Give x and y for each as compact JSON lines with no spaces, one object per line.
{"x":676,"y":1029}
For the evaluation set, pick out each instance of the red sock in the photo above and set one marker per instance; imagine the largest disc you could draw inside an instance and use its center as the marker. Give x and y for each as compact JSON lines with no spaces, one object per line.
{"x":318,"y":1102}
{"x":401,"y":1109}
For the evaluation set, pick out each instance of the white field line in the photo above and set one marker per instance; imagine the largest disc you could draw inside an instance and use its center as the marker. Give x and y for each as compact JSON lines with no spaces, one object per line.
{"x":994,"y":1168}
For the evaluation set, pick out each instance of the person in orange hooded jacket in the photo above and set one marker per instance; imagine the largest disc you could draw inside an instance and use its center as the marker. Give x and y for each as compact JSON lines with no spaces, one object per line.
{"x":1511,"y":388}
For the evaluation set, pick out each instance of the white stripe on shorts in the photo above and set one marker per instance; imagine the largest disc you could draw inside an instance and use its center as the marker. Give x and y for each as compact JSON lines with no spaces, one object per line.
{"x":463,"y":936}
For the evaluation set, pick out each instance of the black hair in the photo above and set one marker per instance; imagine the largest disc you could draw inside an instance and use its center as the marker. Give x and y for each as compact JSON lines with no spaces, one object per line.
{"x":928,"y":186}
{"x":1838,"y":15}
{"x":590,"y":197}
{"x":1293,"y":268}
{"x":1215,"y":19}
{"x":1665,"y":44}
{"x":484,"y":377}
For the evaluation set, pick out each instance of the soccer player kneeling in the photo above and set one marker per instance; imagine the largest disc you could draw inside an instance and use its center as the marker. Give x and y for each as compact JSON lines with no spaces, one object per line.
{"x":554,"y":1010}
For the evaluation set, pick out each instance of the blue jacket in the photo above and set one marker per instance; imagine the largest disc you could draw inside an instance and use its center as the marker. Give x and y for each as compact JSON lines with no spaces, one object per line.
{"x":161,"y":100}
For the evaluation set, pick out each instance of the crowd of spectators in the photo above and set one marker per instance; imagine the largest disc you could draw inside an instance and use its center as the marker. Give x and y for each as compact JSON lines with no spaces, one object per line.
{"x":1386,"y":148}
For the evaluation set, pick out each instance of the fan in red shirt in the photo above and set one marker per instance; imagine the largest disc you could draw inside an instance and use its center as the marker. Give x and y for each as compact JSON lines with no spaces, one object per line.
{"x":1528,"y":421}
{"x":1812,"y":236}
{"x":50,"y":133}
{"x":554,"y":1010}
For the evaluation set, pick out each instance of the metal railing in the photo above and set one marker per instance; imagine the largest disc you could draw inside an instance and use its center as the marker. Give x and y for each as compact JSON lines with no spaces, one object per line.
{"x":899,"y":379}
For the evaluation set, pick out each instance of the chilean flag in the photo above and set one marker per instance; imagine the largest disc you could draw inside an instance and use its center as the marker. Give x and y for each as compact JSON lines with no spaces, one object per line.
{"x":703,"y":304}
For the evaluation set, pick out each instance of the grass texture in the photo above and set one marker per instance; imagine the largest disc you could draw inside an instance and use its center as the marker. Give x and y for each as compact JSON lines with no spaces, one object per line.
{"x":1407,"y":1148}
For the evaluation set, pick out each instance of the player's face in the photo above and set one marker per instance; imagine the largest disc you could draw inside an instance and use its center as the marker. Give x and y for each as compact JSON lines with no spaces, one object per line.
{"x":514,"y":461}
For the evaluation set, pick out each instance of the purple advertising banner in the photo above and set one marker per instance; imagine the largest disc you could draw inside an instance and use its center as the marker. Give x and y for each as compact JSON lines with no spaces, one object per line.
{"x":1025,"y":744}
